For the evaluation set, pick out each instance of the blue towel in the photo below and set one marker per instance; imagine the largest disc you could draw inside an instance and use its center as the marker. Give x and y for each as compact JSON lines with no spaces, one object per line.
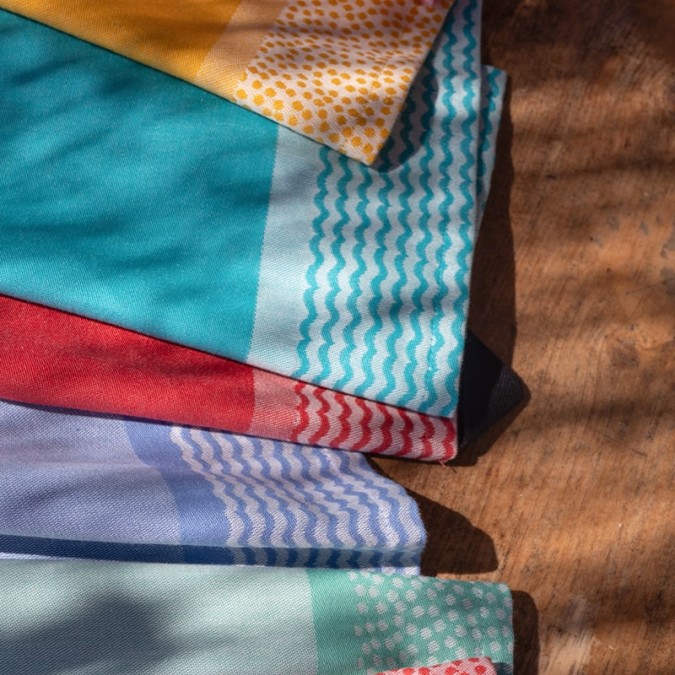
{"x":78,"y":485}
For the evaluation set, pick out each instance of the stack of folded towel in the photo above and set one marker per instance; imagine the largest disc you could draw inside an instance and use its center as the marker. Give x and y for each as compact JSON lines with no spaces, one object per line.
{"x":235,"y":243}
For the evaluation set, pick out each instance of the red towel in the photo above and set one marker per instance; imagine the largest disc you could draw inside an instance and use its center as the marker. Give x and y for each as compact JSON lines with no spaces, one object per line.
{"x":58,"y":359}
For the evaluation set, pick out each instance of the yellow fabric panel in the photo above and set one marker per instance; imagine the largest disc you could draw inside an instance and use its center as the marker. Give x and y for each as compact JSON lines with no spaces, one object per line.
{"x":223,"y":67}
{"x":171,"y":35}
{"x":337,"y":72}
{"x":340,"y":72}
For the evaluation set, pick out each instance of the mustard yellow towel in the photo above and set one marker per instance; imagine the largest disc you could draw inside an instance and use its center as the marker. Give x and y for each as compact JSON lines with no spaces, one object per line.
{"x":337,"y":72}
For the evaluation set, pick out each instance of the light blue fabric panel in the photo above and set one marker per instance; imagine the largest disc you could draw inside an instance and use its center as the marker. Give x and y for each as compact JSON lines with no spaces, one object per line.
{"x":77,"y":475}
{"x":127,"y":195}
{"x":94,"y":618}
{"x":76,"y":485}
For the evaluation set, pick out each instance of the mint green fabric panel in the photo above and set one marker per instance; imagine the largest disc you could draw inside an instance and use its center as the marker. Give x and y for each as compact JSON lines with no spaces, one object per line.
{"x":368,"y":622}
{"x":128,"y":196}
{"x":337,"y":650}
{"x":93,"y":618}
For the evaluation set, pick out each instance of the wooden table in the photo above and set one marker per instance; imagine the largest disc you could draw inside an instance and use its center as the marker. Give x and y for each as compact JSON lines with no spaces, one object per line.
{"x":571,"y":503}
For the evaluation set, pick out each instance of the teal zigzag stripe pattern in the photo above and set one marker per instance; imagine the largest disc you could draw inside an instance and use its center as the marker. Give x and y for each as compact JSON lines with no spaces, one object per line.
{"x":387,"y":290}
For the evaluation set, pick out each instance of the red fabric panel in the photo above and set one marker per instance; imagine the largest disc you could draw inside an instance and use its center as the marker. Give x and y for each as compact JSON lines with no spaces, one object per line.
{"x":53,"y":358}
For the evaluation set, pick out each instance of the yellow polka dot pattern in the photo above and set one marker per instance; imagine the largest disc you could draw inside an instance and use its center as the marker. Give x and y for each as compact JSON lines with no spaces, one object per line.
{"x":339,"y":72}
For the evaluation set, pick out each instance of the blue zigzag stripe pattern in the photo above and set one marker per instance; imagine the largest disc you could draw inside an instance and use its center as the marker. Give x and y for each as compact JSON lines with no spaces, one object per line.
{"x":387,"y":291}
{"x":115,"y":488}
{"x":266,"y":502}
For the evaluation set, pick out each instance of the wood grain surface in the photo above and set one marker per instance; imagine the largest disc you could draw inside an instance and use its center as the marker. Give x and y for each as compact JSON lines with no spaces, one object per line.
{"x":571,"y":501}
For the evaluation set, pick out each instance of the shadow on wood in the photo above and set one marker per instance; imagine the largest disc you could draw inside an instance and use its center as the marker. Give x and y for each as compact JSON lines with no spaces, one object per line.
{"x":492,"y":312}
{"x":526,"y":634}
{"x":454,"y":545}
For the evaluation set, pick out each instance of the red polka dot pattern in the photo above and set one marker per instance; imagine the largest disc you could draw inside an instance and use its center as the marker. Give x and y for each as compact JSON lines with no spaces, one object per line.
{"x":471,"y":666}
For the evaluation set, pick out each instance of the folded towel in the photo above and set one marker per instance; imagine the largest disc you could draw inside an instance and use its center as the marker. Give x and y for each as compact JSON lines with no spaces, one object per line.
{"x":105,"y":487}
{"x":138,"y":200}
{"x":146,"y":619}
{"x":338,"y":74}
{"x":57,"y":359}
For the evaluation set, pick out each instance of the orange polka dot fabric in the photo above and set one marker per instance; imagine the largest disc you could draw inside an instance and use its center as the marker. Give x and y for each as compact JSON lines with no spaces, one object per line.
{"x":339,"y":72}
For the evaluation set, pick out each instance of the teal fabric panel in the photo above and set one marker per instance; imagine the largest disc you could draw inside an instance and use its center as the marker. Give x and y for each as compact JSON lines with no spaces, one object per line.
{"x":113,"y":178}
{"x":367,"y":621}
